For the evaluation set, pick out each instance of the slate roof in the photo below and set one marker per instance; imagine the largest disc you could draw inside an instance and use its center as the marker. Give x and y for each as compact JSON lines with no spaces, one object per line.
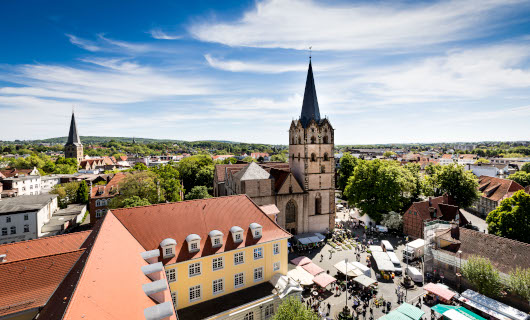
{"x":152,"y":224}
{"x":25,"y":203}
{"x":310,"y":109}
{"x":252,"y":172}
{"x":496,"y":189}
{"x":28,"y":284}
{"x":43,"y":246}
{"x":220,"y":170}
{"x":73,"y":136}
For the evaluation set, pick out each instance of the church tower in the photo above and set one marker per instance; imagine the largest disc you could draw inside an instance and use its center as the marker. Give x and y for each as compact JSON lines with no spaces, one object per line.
{"x":73,"y":147}
{"x":311,"y":160}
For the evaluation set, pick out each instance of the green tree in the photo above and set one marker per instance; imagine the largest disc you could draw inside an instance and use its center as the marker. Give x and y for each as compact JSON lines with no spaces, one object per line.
{"x":280,"y":157}
{"x":521,"y":177}
{"x":388,"y":154}
{"x":189,"y":168}
{"x":198,"y":192}
{"x":141,"y":184}
{"x":454,"y":180}
{"x":139,"y":167}
{"x":82,"y":192}
{"x":134,"y":201}
{"x":519,"y":282}
{"x":347,"y":165}
{"x":482,"y":160}
{"x":392,"y":220}
{"x":169,"y":181}
{"x":377,"y":187}
{"x":511,"y":219}
{"x":414,"y":170}
{"x":526,"y":167}
{"x":67,"y":193}
{"x":249,"y":159}
{"x":483,"y":276}
{"x":293,"y":309}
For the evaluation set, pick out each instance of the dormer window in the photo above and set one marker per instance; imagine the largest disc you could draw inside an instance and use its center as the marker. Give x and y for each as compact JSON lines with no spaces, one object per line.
{"x":217,"y":238}
{"x":193,"y":241}
{"x":256,"y":230}
{"x":168,"y":247}
{"x":237,"y":234}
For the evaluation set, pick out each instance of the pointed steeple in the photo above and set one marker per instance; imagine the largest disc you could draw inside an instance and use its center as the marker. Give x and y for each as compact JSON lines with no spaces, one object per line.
{"x":310,"y":108}
{"x":73,"y":137}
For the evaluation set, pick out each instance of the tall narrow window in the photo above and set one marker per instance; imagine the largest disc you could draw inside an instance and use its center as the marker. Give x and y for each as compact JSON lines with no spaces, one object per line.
{"x":290,"y":212}
{"x":326,"y":157}
{"x":313,"y":140}
{"x":171,"y":275}
{"x":318,"y":204}
{"x":313,"y":157}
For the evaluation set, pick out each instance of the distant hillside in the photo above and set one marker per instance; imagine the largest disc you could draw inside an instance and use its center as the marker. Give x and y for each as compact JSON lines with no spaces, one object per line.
{"x":99,"y":140}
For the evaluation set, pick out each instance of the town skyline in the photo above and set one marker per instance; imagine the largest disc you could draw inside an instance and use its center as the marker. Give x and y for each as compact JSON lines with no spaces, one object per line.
{"x":221,"y":71}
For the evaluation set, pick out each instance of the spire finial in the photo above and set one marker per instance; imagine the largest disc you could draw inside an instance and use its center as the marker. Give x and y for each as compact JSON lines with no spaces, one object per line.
{"x":310,"y":47}
{"x":73,"y":109}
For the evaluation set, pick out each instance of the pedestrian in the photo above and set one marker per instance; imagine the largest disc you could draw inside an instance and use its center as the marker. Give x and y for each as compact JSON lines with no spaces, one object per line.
{"x":364,"y":313}
{"x":321,"y":257}
{"x":329,"y":308}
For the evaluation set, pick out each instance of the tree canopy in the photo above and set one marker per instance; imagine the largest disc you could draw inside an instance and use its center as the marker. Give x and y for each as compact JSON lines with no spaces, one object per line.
{"x":519,"y":282}
{"x":134,"y":201}
{"x":526,"y":167}
{"x":483,"y":276}
{"x":141,"y":184}
{"x":198,"y":192}
{"x":521,"y":177}
{"x":511,"y":219}
{"x":347,"y":165}
{"x":293,"y":309}
{"x":454,"y":180}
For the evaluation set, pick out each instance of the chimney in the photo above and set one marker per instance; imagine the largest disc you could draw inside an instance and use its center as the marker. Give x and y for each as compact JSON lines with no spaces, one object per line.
{"x":455,"y":231}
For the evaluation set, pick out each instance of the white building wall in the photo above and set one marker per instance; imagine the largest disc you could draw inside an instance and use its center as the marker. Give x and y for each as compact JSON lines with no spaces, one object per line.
{"x":18,"y":220}
{"x":44,"y":215}
{"x":28,"y":187}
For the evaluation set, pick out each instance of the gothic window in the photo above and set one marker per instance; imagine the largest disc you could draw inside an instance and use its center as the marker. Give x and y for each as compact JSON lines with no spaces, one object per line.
{"x":313,"y":157}
{"x":326,"y":157}
{"x":298,"y":157}
{"x":293,"y":157}
{"x":290,"y":212}
{"x":318,"y":204}
{"x":313,"y":140}
{"x":325,"y":139}
{"x":299,"y":140}
{"x":292,"y":140}
{"x":322,"y":169}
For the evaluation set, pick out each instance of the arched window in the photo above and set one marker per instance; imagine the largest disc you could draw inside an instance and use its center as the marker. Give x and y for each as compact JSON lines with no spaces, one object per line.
{"x":292,"y":140}
{"x":298,"y":157}
{"x":325,"y":139}
{"x":318,"y":204}
{"x":299,"y":140}
{"x":290,"y":212}
{"x":326,"y":157}
{"x":322,"y":169}
{"x":313,"y":157}
{"x":313,"y":140}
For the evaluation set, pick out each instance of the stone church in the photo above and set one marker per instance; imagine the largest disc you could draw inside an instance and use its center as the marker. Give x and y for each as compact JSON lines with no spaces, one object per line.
{"x":73,"y":147}
{"x":303,"y":190}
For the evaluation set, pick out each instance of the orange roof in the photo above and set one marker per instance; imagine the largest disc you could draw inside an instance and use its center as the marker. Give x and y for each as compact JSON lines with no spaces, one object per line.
{"x":223,"y":156}
{"x":43,"y":246}
{"x":110,"y":286}
{"x":496,"y":189}
{"x":28,"y":284}
{"x":108,"y":189}
{"x":447,"y":156}
{"x":152,"y":224}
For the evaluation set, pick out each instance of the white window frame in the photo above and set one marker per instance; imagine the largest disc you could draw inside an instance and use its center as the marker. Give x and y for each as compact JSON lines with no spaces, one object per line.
{"x":26,"y":228}
{"x":218,"y":282}
{"x":194,"y":246}
{"x":217,"y":241}
{"x":237,"y":276}
{"x":275,"y":248}
{"x":171,"y":275}
{"x":13,"y":230}
{"x":249,"y":316}
{"x":238,"y":255}
{"x":197,"y":298}
{"x":174,"y":299}
{"x":99,"y":213}
{"x":168,"y":251}
{"x":276,"y":266}
{"x":269,"y":311}
{"x":260,"y":256}
{"x":193,"y":266}
{"x":261,"y":270}
{"x":218,"y":263}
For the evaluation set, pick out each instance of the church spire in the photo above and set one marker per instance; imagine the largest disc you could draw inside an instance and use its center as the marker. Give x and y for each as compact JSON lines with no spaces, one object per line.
{"x":310,"y":108}
{"x":73,"y":137}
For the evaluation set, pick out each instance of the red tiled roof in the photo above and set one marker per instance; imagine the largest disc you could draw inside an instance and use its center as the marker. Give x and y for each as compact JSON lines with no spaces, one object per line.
{"x":447,"y":156}
{"x":468,"y":156}
{"x":9,"y":173}
{"x":152,"y":224}
{"x":109,"y":161}
{"x":220,"y":170}
{"x":259,"y":154}
{"x":43,"y":246}
{"x":28,"y":284}
{"x":223,"y":156}
{"x":123,"y":158}
{"x":108,"y":189}
{"x":496,"y":189}
{"x":445,"y":210}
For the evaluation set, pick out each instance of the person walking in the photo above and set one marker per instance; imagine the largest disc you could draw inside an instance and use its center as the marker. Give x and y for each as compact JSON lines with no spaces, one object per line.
{"x":329,"y":308}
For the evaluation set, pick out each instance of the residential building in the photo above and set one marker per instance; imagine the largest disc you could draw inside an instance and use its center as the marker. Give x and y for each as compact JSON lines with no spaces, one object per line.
{"x":48,"y":182}
{"x":303,"y":189}
{"x":447,"y":159}
{"x":222,"y":157}
{"x":493,"y":191}
{"x":437,"y":208}
{"x":101,"y":195}
{"x":257,"y":155}
{"x":220,"y":255}
{"x":464,"y":159}
{"x":24,"y":185}
{"x":490,"y":170}
{"x":73,"y":147}
{"x":15,"y":173}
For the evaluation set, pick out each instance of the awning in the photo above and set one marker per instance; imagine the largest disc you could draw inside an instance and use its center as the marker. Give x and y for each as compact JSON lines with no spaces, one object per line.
{"x":440,"y":291}
{"x":394,"y":315}
{"x":342,"y":266}
{"x":443,"y":308}
{"x":478,"y":306}
{"x":304,"y":240}
{"x":411,"y":311}
{"x":300,"y":261}
{"x":301,"y":276}
{"x":320,"y":236}
{"x":312,"y":268}
{"x":364,"y":280}
{"x":314,"y":239}
{"x":324,"y":279}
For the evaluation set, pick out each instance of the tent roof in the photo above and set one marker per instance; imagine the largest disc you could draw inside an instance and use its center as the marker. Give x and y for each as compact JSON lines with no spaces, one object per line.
{"x":324,"y":279}
{"x":312,"y":268}
{"x":364,"y":280}
{"x":300,"y":261}
{"x":352,"y":270}
{"x":300,"y":275}
{"x":411,"y":311}
{"x":440,"y":291}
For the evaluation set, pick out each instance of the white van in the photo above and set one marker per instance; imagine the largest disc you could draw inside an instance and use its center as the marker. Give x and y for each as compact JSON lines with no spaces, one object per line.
{"x":385,"y":244}
{"x":414,"y":274}
{"x":395,"y":261}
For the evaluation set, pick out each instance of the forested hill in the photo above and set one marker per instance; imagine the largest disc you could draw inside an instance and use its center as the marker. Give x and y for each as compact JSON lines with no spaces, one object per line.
{"x":100,"y":140}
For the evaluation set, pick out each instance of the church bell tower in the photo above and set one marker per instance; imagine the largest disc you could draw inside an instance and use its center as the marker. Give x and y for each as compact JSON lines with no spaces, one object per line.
{"x":73,"y":147}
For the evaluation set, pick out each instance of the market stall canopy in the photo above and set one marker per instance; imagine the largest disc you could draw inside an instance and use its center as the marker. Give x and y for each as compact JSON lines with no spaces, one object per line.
{"x":320,"y":236}
{"x":304,"y":240}
{"x":300,"y":261}
{"x":493,"y":305}
{"x":456,"y":312}
{"x":301,"y":276}
{"x":411,"y":311}
{"x":364,"y":280}
{"x":383,"y":261}
{"x":312,"y":268}
{"x":309,"y":238}
{"x":394,"y":315}
{"x":352,"y":271}
{"x":375,"y":248}
{"x":440,"y":291}
{"x":324,"y":279}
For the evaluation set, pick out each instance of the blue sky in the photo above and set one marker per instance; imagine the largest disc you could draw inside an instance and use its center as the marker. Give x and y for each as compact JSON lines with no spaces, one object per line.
{"x":385,"y":72}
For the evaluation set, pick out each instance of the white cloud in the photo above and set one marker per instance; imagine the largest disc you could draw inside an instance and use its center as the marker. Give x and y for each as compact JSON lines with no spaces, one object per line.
{"x":83,"y":43}
{"x":242,"y":66}
{"x":298,"y":24}
{"x":161,"y":35}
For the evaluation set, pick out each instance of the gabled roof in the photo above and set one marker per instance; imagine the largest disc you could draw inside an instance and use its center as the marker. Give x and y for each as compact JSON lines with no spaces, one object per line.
{"x":496,"y":189}
{"x":444,"y":208}
{"x":252,"y":172}
{"x":43,"y":246}
{"x":29,"y":283}
{"x":9,"y":173}
{"x":73,"y":136}
{"x":220,"y":170}
{"x":310,"y":109}
{"x":152,"y":224}
{"x":110,"y":189}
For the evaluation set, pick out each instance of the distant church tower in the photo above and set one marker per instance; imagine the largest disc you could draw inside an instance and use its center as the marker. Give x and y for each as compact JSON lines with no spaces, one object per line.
{"x":311,"y":152}
{"x":73,"y":147}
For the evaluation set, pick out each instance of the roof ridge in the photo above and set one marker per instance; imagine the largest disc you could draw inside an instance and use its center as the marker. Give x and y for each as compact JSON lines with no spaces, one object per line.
{"x":496,"y":236}
{"x":176,"y":202}
{"x":41,"y":257}
{"x":267,"y":215}
{"x":45,"y":238}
